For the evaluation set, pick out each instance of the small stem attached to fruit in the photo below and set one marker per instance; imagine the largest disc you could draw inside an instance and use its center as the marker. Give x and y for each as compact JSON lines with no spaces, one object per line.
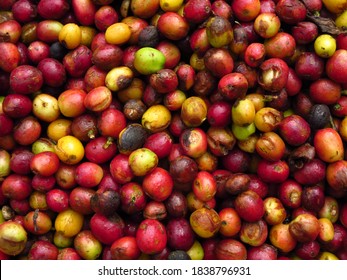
{"x":91,"y":134}
{"x":109,"y":142}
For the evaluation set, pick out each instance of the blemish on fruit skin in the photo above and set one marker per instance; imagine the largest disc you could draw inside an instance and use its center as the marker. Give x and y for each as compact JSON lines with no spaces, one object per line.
{"x":278,"y":168}
{"x":187,"y":139}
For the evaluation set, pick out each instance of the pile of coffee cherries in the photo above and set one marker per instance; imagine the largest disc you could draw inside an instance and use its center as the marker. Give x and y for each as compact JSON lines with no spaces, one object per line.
{"x":173,"y":129}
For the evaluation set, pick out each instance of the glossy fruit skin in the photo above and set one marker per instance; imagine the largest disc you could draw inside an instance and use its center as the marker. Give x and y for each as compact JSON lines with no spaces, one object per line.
{"x":334,"y":150}
{"x":160,"y":142}
{"x":204,"y":186}
{"x":173,"y":26}
{"x":275,"y":212}
{"x":274,"y":172}
{"x":125,"y":248}
{"x":233,"y":86}
{"x":335,"y":175}
{"x":132,"y":197}
{"x":70,"y":35}
{"x":218,"y":114}
{"x":231,"y":222}
{"x":313,"y":198}
{"x":142,"y":161}
{"x":180,"y":235}
{"x":250,"y":206}
{"x":45,"y":163}
{"x":111,"y":115}
{"x":151,"y":120}
{"x":196,"y":11}
{"x":308,"y":250}
{"x":107,"y":229}
{"x":318,"y":87}
{"x":309,"y":66}
{"x":88,"y":174}
{"x":218,"y":61}
{"x":145,"y":55}
{"x":290,"y":193}
{"x":26,"y":79}
{"x":43,"y":250}
{"x":295,"y":130}
{"x":107,"y":57}
{"x":193,"y":111}
{"x":27,"y":130}
{"x":69,"y":222}
{"x":281,"y":45}
{"x":295,"y":14}
{"x":333,"y":66}
{"x":57,"y":200}
{"x":100,"y":150}
{"x":230,"y":249}
{"x":305,"y":32}
{"x":281,"y":238}
{"x":10,"y":55}
{"x":79,"y":200}
{"x":87,"y":246}
{"x":262,"y":252}
{"x":20,"y":161}
{"x":325,"y":45}
{"x":151,"y":236}
{"x":247,"y":10}
{"x":75,"y":98}
{"x":98,"y":99}
{"x":17,"y":105}
{"x":69,"y":149}
{"x":16,"y":186}
{"x":68,"y":254}
{"x":120,"y":169}
{"x":158,"y":184}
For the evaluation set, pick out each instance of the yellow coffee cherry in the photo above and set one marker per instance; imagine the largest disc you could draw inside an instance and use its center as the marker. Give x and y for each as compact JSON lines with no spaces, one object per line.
{"x":327,"y":256}
{"x":341,"y":20}
{"x":118,"y":33}
{"x":197,"y":62}
{"x":343,"y":128}
{"x":87,"y":33}
{"x":70,"y":35}
{"x":69,"y":149}
{"x":69,"y":222}
{"x":325,"y":45}
{"x":45,"y":107}
{"x":170,"y":5}
{"x":59,"y":128}
{"x":326,"y":232}
{"x":119,"y":78}
{"x":243,"y":112}
{"x":196,"y":252}
{"x":156,"y":118}
{"x":335,"y":6}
